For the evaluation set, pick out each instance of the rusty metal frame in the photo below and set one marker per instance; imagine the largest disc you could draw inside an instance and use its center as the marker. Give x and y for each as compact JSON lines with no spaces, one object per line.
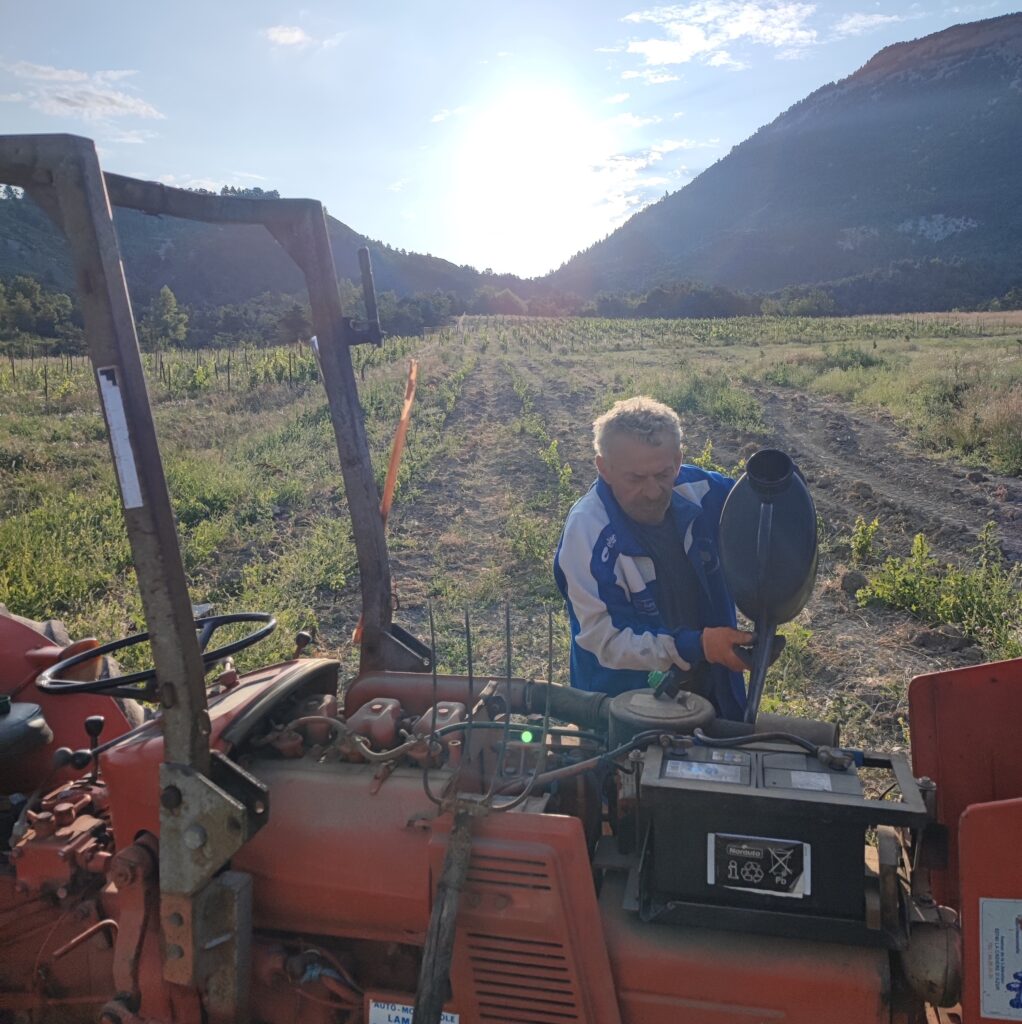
{"x":208,"y":810}
{"x":299,"y":225}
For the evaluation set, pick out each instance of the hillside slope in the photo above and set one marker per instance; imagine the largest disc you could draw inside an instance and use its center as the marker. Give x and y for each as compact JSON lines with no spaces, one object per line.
{"x":244,"y":261}
{"x":915,"y":156}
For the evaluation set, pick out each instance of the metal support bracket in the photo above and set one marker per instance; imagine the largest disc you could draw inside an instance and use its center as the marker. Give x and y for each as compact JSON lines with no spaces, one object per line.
{"x":204,"y":822}
{"x":207,"y":947}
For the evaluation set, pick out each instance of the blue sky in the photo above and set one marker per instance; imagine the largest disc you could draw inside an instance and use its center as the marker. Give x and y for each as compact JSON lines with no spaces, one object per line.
{"x":503,"y":135}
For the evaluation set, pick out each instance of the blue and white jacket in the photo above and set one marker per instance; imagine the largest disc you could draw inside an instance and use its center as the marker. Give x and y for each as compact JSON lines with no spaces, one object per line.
{"x":610,"y":586}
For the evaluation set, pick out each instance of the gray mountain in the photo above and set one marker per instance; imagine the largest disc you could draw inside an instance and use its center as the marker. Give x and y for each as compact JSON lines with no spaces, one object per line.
{"x":917,"y":157}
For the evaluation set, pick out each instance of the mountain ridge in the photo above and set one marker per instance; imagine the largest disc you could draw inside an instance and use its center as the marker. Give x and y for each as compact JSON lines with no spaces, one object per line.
{"x":917,"y":147}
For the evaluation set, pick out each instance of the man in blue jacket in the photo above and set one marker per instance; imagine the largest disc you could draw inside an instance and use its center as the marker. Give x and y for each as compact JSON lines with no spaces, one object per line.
{"x":639,"y":568}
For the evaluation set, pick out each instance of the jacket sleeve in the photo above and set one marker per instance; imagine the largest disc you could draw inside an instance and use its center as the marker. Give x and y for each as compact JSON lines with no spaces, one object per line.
{"x":598,"y":591}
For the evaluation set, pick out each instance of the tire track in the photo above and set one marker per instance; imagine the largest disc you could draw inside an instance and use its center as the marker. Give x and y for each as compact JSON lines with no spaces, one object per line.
{"x":862,"y":464}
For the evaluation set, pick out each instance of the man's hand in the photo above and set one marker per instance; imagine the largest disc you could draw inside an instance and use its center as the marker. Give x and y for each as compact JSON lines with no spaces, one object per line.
{"x":719,"y":646}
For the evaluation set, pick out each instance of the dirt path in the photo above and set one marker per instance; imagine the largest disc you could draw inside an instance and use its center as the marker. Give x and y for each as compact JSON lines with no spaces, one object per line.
{"x":863,"y":464}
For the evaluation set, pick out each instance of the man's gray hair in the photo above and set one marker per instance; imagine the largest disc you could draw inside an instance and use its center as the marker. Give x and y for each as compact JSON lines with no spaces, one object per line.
{"x":645,"y":418}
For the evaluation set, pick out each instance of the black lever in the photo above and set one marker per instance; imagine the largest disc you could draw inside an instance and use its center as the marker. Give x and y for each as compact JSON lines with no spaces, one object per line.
{"x":94,"y":727}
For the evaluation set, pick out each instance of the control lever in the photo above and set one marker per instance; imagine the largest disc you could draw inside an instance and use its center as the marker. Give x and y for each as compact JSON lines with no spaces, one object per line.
{"x":94,"y":727}
{"x":675,"y":679}
{"x":302,"y":640}
{"x":748,"y":654}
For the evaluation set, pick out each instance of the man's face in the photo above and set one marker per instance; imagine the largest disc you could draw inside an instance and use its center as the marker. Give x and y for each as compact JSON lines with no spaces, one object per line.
{"x":641,"y":475}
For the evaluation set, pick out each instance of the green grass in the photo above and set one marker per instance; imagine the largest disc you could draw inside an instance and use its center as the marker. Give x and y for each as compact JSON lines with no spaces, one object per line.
{"x":983,"y":597}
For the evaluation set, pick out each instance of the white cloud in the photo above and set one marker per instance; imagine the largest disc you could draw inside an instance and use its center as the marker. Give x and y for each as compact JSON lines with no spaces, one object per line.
{"x":295,"y":37}
{"x":629,"y":183}
{"x":443,"y":115}
{"x":630,"y":120}
{"x":650,"y":76}
{"x":396,"y":186}
{"x":45,"y":73}
{"x":723,"y":59}
{"x":702,"y":31}
{"x":69,"y":92}
{"x":92,"y":103}
{"x":129,"y":136}
{"x":670,"y":145}
{"x":249,"y":175}
{"x":618,"y":97}
{"x":858,"y":24}
{"x":287,"y":35}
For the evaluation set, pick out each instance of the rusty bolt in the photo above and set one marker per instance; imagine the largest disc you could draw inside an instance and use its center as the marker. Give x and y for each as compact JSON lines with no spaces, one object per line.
{"x":131,"y":866}
{"x":195,"y":837}
{"x":123,"y":873}
{"x":175,"y":920}
{"x":174,"y":952}
{"x":171,"y":798}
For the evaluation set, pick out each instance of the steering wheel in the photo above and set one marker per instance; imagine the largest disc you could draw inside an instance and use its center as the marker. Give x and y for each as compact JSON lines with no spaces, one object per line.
{"x":122,"y":685}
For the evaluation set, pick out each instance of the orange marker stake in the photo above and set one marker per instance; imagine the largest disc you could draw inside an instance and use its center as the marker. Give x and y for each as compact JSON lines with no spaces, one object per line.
{"x":390,"y":483}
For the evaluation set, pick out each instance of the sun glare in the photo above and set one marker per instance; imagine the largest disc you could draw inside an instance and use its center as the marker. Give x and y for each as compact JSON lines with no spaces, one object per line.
{"x":530,"y":176}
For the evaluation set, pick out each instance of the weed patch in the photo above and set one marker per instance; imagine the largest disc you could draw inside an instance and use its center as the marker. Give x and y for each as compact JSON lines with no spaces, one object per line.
{"x":984,"y":601}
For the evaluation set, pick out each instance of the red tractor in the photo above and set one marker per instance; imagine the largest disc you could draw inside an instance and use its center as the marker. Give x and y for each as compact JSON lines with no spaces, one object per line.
{"x":458,"y":848}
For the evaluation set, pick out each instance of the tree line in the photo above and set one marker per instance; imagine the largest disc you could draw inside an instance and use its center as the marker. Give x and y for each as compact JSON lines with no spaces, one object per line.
{"x":31,"y":314}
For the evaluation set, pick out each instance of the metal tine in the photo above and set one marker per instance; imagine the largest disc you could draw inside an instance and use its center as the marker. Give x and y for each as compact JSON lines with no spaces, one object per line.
{"x":530,"y":785}
{"x":549,"y":650}
{"x":432,"y":731}
{"x":498,"y":770}
{"x":466,"y":753}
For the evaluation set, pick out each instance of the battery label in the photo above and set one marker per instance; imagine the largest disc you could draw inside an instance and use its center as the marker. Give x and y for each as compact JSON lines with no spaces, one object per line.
{"x":775,"y":867}
{"x":729,"y":757}
{"x":1000,"y":959}
{"x":703,"y":770}
{"x":811,"y":780}
{"x":400,"y":1013}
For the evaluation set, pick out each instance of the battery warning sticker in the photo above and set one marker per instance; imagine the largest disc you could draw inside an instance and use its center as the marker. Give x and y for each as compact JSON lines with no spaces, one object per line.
{"x":400,"y":1013}
{"x":811,"y":780}
{"x":775,"y":867}
{"x":676,"y":769}
{"x":1000,"y":958}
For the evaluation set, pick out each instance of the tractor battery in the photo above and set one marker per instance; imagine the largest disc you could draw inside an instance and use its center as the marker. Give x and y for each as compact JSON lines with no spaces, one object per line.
{"x":763,"y":838}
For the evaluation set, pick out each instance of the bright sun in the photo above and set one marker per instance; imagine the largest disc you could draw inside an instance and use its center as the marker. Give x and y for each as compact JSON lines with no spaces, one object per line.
{"x":530,"y":176}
